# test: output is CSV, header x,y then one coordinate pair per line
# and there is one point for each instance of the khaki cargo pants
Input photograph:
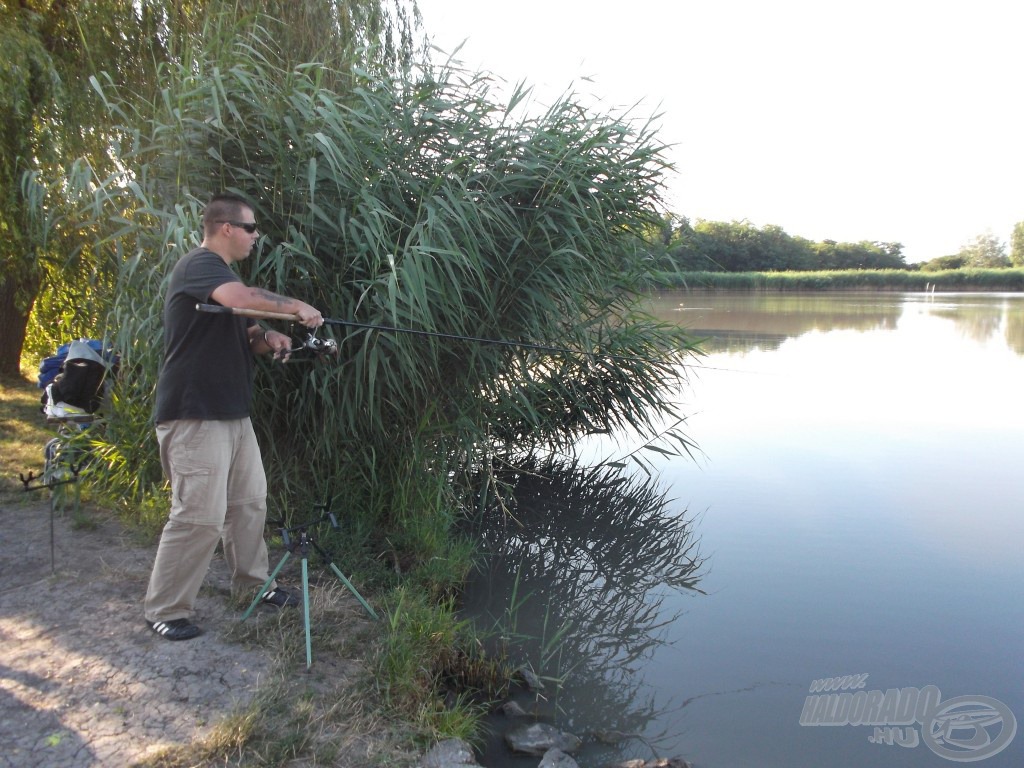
x,y
218,492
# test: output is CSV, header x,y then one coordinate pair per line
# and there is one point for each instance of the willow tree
x,y
23,81
418,200
53,118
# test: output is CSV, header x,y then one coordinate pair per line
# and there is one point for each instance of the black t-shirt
x,y
207,370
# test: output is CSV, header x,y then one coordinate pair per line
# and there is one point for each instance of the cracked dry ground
x,y
83,681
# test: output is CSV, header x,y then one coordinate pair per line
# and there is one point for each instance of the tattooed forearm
x,y
276,298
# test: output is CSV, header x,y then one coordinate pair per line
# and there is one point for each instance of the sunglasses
x,y
250,228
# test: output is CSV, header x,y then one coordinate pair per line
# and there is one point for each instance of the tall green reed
x,y
420,202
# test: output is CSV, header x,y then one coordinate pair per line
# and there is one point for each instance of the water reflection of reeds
x,y
577,570
736,323
713,341
745,322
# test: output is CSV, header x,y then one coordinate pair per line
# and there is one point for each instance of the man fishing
x,y
207,445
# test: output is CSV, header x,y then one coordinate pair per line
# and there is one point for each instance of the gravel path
x,y
83,681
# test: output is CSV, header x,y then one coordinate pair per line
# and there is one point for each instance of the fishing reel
x,y
307,345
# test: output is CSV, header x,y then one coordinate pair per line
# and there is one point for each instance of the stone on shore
x,y
556,758
538,738
451,753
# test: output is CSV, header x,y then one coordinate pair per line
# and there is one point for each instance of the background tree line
x,y
739,246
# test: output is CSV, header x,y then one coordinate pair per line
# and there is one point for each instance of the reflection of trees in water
x,y
738,341
1015,332
978,323
577,571
740,325
762,321
984,320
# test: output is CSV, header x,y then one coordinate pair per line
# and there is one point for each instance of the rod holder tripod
x,y
302,543
59,469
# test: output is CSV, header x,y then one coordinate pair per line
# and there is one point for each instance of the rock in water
x,y
512,709
530,678
538,738
556,758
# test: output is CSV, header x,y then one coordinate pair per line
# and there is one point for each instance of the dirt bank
x,y
83,682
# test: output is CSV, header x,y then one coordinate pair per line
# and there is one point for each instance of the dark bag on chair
x,y
79,383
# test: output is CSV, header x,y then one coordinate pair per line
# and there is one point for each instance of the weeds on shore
x,y
23,433
377,707
328,715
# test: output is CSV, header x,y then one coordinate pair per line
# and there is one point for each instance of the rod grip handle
x,y
217,309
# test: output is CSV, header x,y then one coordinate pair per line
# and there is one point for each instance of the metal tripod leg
x,y
305,610
303,544
305,595
346,582
266,585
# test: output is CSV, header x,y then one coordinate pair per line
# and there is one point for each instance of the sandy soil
x,y
83,681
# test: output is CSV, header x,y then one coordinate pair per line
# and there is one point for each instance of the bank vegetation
x,y
964,279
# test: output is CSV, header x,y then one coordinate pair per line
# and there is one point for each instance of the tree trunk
x,y
16,299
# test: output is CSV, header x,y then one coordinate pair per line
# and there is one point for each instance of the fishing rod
x,y
266,315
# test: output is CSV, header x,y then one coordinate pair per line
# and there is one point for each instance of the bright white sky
x,y
890,120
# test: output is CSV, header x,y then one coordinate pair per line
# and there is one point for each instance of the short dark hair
x,y
221,208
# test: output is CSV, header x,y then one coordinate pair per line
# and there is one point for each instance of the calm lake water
x,y
856,512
